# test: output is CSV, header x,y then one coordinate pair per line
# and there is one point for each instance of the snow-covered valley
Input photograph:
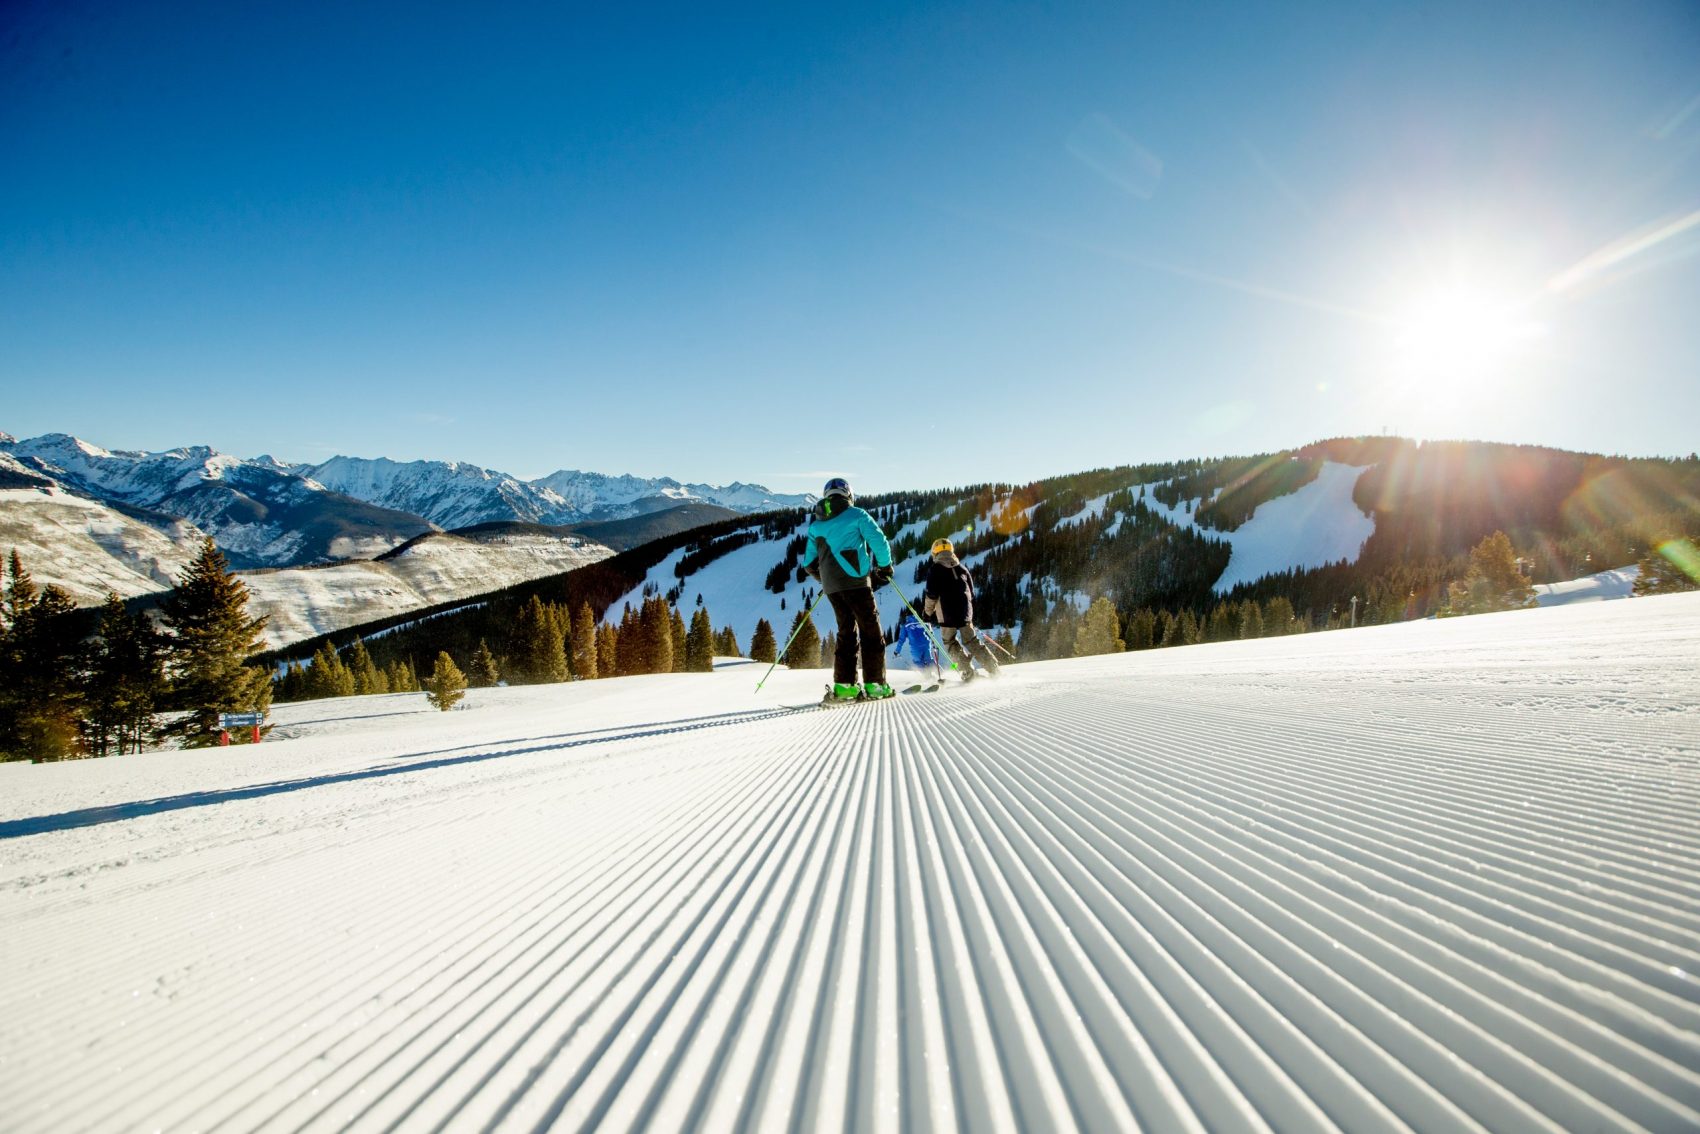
x,y
1431,876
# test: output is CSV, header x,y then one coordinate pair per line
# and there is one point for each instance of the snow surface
x,y
1313,527
1434,876
1615,584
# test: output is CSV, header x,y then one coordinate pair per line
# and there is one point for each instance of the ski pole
x,y
923,623
1000,649
791,639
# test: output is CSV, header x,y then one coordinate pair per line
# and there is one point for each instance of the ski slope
x,y
1439,876
1598,587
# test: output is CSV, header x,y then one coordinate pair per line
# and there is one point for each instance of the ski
x,y
831,702
933,688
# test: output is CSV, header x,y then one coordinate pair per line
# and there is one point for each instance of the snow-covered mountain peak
x,y
243,502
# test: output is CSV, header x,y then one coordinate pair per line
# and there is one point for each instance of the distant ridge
x,y
622,535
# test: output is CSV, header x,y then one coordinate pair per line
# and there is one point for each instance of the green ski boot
x,y
837,694
877,690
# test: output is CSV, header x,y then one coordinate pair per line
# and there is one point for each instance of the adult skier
x,y
849,557
949,601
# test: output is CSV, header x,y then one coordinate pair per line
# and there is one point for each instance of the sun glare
x,y
1462,334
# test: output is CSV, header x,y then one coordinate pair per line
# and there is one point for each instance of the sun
x,y
1461,334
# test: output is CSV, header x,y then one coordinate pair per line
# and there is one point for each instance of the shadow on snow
x,y
94,816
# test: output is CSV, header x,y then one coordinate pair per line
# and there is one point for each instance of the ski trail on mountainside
x,y
1433,877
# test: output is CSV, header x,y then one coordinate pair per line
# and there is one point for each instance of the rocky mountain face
x,y
435,568
265,512
261,513
453,494
330,545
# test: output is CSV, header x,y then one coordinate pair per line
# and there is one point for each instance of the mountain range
x,y
1361,530
326,546
264,512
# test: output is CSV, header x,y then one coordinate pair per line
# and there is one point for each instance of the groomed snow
x,y
1436,876
1313,527
1598,587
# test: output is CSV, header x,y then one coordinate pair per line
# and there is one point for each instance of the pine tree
x,y
211,639
329,677
1061,630
1142,630
681,639
1168,629
403,678
633,644
367,678
1251,619
21,591
1100,630
1220,627
292,684
550,663
483,673
537,653
583,643
699,643
726,644
763,647
607,651
41,658
526,642
1672,566
1186,629
1493,581
124,683
446,685
1279,617
656,629
804,652
829,650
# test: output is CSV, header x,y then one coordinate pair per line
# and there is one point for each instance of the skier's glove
x,y
880,576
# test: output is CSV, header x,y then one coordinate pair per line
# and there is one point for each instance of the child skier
x,y
850,557
949,601
915,644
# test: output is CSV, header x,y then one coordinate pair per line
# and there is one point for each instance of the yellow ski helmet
x,y
942,545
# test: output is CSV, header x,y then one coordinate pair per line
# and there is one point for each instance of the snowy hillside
x,y
1598,587
1434,876
1317,524
303,602
88,549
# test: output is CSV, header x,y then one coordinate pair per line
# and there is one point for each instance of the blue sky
x,y
918,245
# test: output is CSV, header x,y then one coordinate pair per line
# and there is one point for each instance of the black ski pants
x,y
858,630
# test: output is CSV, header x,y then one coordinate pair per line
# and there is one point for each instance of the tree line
x,y
546,644
1495,578
68,691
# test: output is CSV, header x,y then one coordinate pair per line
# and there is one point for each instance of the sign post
x,y
228,721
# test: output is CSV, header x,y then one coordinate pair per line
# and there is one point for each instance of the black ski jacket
x,y
950,590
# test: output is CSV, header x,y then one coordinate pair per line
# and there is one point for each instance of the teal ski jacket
x,y
843,548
